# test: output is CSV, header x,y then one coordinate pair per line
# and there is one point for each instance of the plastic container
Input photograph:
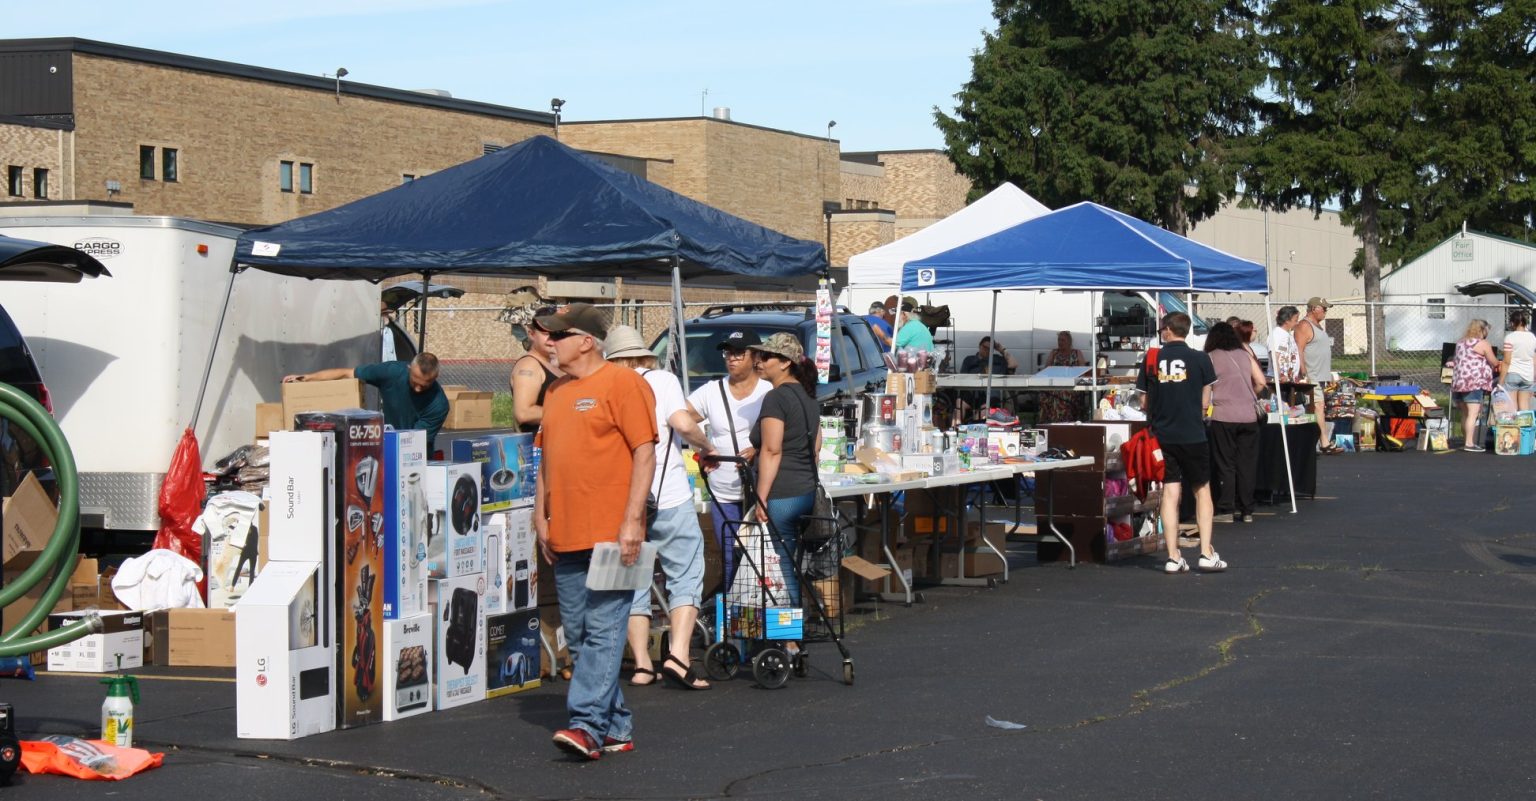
x,y
117,710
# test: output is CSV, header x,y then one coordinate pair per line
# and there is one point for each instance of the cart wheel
x,y
798,664
771,668
721,661
991,583
848,672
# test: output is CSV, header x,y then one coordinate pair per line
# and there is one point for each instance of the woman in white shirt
x,y
1518,371
1283,356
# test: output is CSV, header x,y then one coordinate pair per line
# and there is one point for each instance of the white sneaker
x,y
1176,566
1212,563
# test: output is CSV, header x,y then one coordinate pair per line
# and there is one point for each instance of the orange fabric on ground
x,y
591,427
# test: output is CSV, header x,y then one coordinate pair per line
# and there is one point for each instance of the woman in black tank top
x,y
532,376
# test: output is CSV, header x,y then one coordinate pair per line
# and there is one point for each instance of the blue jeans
x,y
594,622
785,514
725,535
680,549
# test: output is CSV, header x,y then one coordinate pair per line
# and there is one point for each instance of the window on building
x,y
40,183
147,162
1434,308
848,203
306,179
168,164
13,175
285,176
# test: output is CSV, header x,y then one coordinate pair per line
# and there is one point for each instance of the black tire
x,y
771,668
848,672
722,661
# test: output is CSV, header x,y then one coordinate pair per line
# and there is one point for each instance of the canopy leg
x,y
679,326
1285,444
218,332
421,312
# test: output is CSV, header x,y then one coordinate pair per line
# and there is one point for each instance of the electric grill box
x,y
512,652
285,666
458,615
405,524
494,527
407,666
455,545
358,552
522,560
506,468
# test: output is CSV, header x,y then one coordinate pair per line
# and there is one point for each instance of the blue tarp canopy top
x,y
537,207
1085,246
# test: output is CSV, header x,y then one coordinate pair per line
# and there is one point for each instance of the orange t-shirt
x,y
591,428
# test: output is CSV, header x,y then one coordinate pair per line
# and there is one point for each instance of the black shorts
x,y
1187,463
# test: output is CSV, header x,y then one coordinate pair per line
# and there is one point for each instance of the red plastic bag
x,y
181,501
85,759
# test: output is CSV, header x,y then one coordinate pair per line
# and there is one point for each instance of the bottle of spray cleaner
x,y
117,710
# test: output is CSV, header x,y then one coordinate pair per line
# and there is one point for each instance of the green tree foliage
x,y
1127,103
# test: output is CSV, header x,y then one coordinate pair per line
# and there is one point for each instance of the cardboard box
x,y
269,418
285,668
467,408
319,396
118,646
512,652
232,540
29,517
191,637
506,468
455,547
407,666
520,560
407,523
303,496
458,618
494,528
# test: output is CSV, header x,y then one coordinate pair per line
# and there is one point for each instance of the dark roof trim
x,y
36,122
699,119
233,70
879,153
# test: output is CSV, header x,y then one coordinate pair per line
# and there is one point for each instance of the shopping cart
x,y
756,622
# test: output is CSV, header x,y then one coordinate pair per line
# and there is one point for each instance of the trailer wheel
x,y
770,668
721,661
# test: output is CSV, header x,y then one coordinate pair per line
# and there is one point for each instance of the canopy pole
x,y
421,312
1095,307
679,327
1285,443
991,349
218,332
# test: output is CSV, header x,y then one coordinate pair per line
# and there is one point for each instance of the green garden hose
x,y
57,561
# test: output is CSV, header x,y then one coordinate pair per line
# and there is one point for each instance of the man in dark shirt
x,y
408,391
1002,361
1178,393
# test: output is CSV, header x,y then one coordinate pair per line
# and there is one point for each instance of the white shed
x,y
1423,307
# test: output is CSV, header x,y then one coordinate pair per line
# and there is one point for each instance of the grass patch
x,y
501,411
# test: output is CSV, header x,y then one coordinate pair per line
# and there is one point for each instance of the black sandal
x,y
686,680
640,671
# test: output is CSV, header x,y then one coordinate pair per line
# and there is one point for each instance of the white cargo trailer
x,y
123,357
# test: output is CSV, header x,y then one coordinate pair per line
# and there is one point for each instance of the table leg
x,y
906,595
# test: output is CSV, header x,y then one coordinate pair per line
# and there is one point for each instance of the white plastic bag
x,y
760,570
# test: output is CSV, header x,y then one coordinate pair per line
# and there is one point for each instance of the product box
x,y
302,490
232,542
358,555
285,668
1506,440
512,652
118,646
407,666
494,530
506,465
29,517
1004,445
269,418
454,545
406,524
930,463
522,560
319,396
192,637
467,408
458,618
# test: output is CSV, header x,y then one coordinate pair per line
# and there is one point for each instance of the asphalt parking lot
x,y
1378,644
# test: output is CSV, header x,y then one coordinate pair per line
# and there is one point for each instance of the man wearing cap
x,y
730,406
912,334
1316,349
409,394
880,325
598,439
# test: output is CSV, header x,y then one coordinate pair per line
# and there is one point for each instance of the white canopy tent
x,y
1003,207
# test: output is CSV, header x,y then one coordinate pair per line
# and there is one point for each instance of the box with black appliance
x,y
506,467
408,666
358,551
454,545
285,667
512,652
458,615
522,560
406,522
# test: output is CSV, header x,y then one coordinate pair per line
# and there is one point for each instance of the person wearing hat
x,y
674,526
1316,350
532,375
912,333
409,395
730,406
598,440
787,437
879,325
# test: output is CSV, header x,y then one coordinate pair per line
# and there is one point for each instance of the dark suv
x,y
857,364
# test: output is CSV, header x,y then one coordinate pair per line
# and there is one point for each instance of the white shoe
x,y
1212,563
1176,566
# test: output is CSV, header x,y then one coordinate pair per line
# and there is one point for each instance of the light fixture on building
x,y
341,72
113,187
555,104
830,125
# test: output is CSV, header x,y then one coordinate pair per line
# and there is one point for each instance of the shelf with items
x,y
1093,505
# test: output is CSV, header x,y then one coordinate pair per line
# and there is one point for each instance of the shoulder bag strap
x,y
730,419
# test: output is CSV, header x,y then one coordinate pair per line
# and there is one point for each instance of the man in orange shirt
x,y
598,439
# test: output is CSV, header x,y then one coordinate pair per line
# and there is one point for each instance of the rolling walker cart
x,y
759,631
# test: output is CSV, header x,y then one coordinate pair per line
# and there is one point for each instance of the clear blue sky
x,y
877,67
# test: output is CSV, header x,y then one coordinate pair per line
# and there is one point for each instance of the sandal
x,y
640,671
685,680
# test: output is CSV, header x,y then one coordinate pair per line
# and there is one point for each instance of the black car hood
x,y
26,260
1498,286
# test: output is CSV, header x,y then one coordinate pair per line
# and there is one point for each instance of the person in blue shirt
x,y
408,391
879,325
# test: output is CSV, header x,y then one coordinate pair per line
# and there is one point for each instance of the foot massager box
x,y
455,543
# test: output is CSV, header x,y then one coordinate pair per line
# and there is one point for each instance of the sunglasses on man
x,y
556,336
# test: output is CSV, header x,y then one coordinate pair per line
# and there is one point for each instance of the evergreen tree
x,y
1125,103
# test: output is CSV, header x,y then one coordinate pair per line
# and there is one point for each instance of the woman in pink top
x,y
1234,425
1472,379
